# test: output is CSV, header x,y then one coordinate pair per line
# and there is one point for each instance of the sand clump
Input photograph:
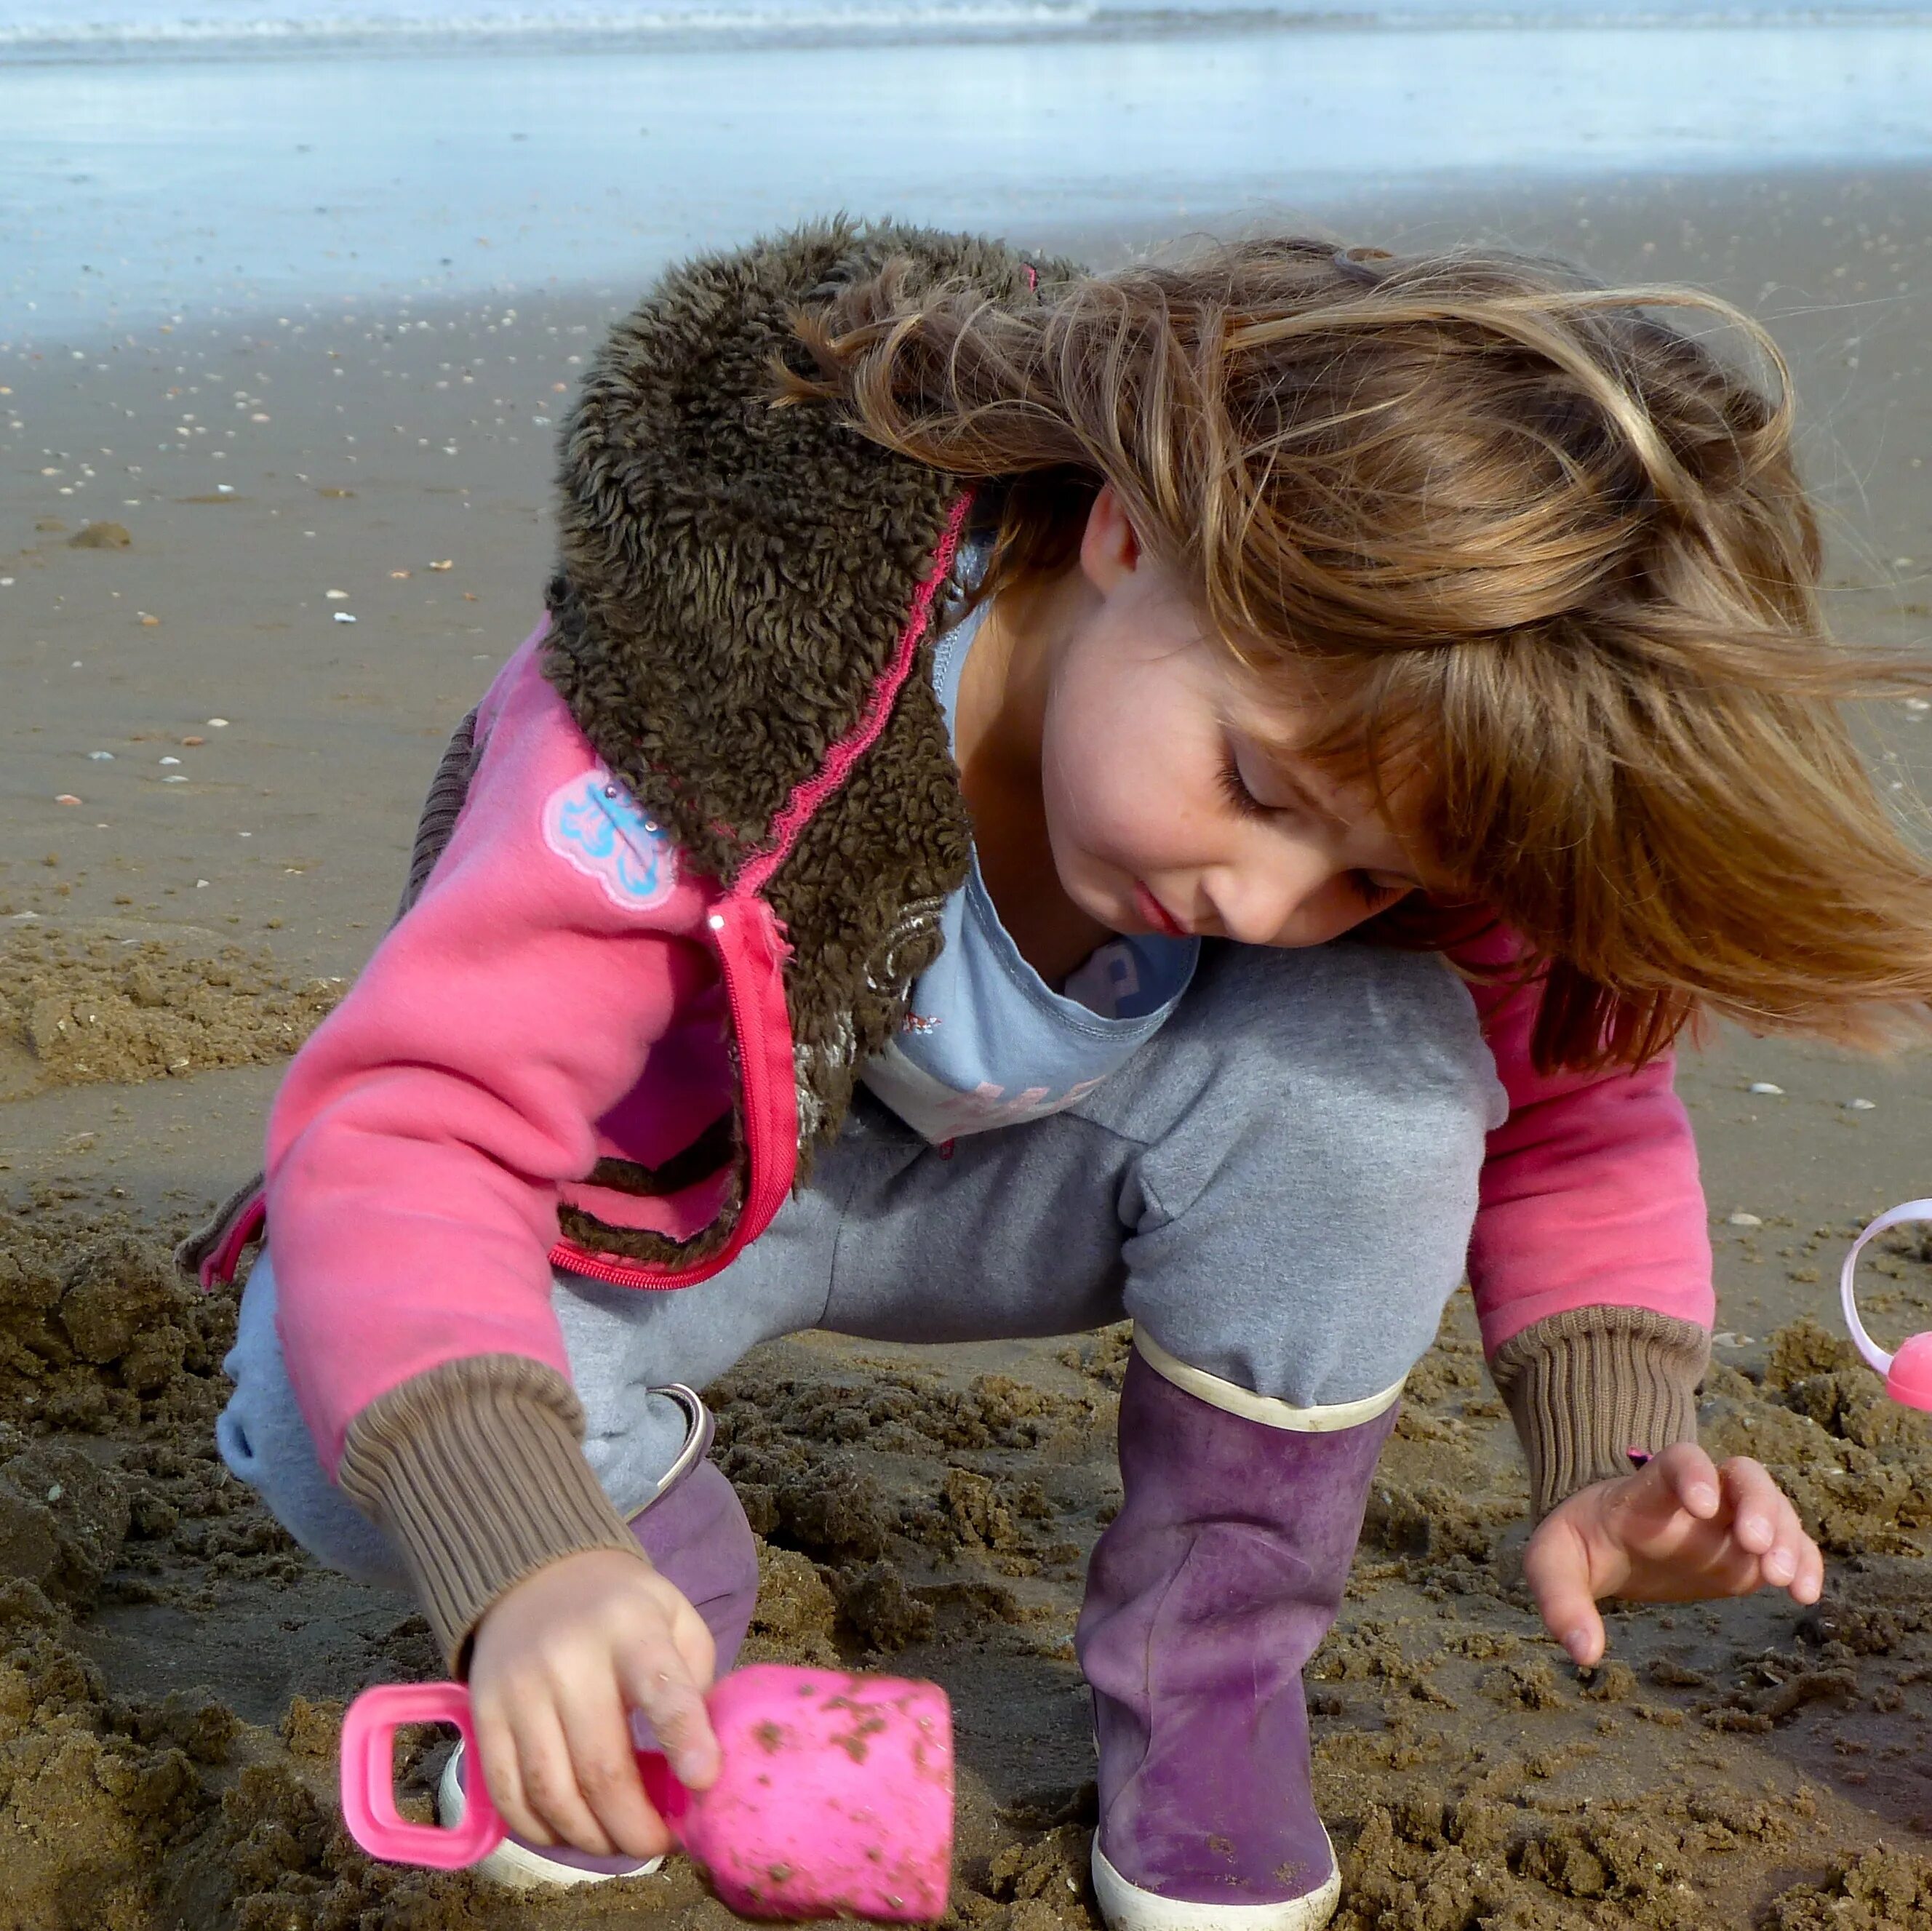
x,y
63,1517
78,1008
92,1794
1476,1863
128,1814
102,1356
937,1481
101,536
1875,1891
99,1333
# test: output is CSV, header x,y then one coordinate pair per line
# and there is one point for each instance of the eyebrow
x,y
1302,795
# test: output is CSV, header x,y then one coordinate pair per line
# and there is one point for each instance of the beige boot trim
x,y
1266,1409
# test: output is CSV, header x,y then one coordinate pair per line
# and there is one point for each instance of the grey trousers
x,y
1278,1190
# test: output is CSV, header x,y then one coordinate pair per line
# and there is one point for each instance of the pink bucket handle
x,y
1908,1373
368,1774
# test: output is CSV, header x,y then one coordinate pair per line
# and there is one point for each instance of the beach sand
x,y
175,916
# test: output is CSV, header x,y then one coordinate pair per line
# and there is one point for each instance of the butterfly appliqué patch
x,y
595,826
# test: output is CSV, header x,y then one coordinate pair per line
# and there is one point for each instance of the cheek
x,y
1317,924
1078,783
1112,803
1087,783
1331,909
1111,761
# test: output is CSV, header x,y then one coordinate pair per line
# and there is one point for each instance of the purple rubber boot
x,y
1205,1598
694,1529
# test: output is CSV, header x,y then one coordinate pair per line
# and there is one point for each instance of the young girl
x,y
1203,795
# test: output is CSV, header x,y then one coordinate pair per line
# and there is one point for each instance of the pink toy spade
x,y
835,1799
1908,1374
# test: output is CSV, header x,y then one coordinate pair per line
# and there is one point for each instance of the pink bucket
x,y
835,1799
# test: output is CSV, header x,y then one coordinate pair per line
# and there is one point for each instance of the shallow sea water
x,y
134,190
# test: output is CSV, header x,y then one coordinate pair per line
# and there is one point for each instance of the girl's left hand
x,y
1677,1530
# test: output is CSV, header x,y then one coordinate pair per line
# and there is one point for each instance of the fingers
x,y
559,1767
1765,1525
1690,1477
1755,1502
596,1733
666,1682
502,1776
556,1663
550,1792
1556,1567
691,1637
526,1769
1680,1530
1810,1583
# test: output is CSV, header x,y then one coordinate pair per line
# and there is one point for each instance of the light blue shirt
x,y
986,1042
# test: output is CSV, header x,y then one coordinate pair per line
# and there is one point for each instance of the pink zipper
x,y
218,1269
751,951
575,1260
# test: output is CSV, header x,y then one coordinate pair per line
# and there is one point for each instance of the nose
x,y
1302,906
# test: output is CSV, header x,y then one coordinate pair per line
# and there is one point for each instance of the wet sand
x,y
170,1666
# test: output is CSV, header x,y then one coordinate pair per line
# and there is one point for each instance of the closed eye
x,y
1234,788
1372,892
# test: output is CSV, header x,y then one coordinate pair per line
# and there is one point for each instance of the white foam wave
x,y
106,27
298,25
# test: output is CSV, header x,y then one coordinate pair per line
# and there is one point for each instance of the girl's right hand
x,y
559,1662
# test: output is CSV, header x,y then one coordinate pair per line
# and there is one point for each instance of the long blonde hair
x,y
1543,557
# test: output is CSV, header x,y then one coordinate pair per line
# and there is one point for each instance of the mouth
x,y
1157,914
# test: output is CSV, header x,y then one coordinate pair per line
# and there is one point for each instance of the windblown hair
x,y
1541,559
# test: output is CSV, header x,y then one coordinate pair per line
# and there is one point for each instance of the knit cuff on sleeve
x,y
1585,1386
474,1470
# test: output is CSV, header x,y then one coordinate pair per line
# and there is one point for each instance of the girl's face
x,y
1174,802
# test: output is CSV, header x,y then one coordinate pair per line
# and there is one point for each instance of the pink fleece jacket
x,y
549,1002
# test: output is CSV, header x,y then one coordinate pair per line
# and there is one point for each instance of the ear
x,y
1109,549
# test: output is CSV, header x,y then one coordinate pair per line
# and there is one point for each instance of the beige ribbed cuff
x,y
1585,1386
476,1471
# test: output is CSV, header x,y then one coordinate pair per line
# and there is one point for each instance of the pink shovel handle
x,y
368,1779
